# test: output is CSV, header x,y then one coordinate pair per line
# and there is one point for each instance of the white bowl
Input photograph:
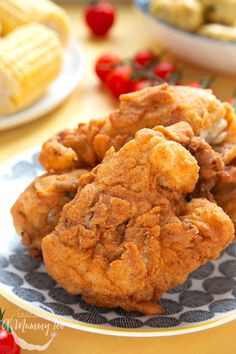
x,y
213,54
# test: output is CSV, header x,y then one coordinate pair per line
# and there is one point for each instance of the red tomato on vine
x,y
7,340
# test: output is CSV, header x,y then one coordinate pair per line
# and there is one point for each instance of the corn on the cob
x,y
30,59
15,13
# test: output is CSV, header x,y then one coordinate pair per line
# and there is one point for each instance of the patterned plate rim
x,y
114,332
93,328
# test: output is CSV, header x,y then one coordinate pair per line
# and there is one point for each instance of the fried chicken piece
x,y
37,210
164,104
225,191
129,235
160,105
33,222
210,119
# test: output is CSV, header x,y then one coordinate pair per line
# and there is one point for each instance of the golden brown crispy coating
x,y
160,105
225,191
210,119
211,167
163,104
31,210
129,235
228,151
37,210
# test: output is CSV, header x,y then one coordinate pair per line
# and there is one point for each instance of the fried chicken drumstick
x,y
129,234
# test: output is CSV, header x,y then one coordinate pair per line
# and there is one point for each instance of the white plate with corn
x,y
40,64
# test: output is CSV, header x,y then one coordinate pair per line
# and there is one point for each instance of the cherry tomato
x,y
144,57
105,64
7,343
164,69
119,80
140,84
100,17
195,84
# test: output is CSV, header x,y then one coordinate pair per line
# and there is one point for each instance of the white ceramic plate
x,y
209,53
57,92
207,299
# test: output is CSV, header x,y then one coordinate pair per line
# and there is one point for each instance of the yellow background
x,y
88,101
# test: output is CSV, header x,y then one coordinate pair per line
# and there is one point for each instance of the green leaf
x,y
206,83
91,2
2,323
128,61
6,327
142,74
2,312
153,62
175,77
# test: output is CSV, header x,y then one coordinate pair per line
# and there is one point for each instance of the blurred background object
x,y
15,13
184,14
128,36
84,2
171,23
40,62
191,15
220,11
31,58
